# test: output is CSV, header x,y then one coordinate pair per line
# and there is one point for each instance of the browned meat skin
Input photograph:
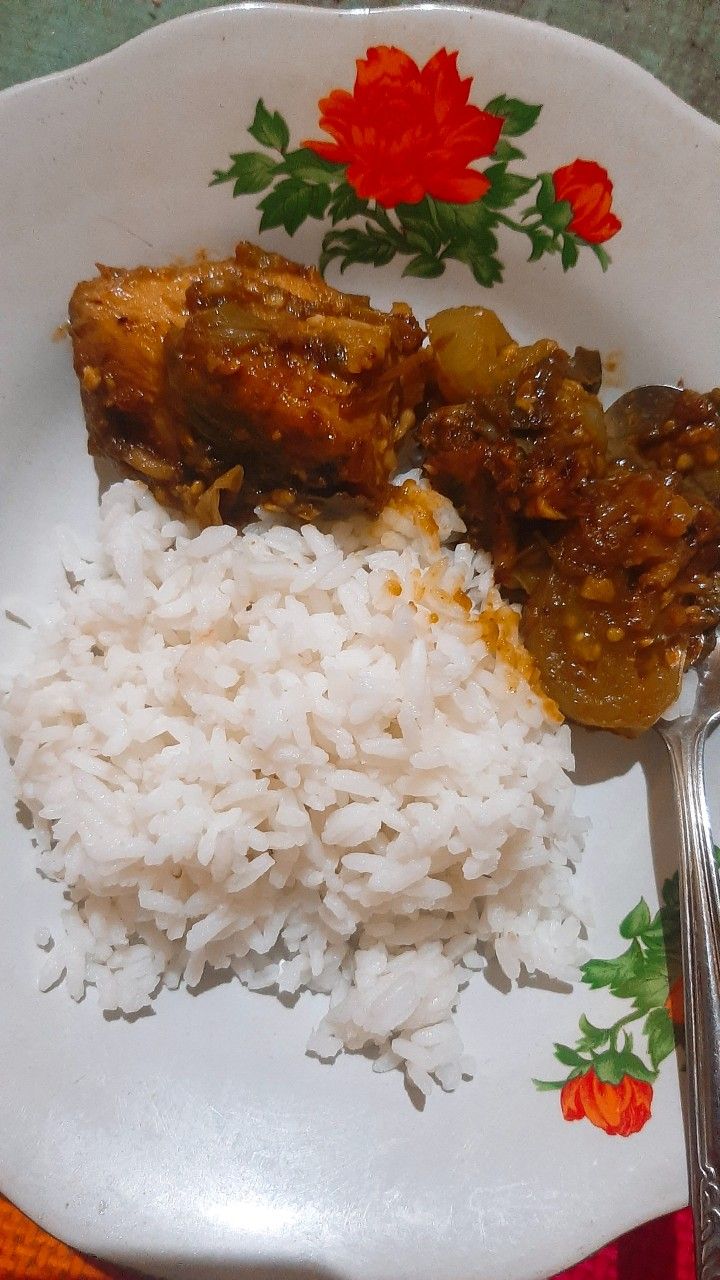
x,y
477,466
516,454
249,380
118,323
309,388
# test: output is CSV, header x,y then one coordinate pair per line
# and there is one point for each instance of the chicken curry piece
x,y
614,547
227,384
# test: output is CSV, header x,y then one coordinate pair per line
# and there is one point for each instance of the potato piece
x,y
474,354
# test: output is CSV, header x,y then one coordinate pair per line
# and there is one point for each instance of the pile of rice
x,y
298,753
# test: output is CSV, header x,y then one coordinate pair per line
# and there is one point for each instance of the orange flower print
x,y
618,1109
408,131
675,1003
610,1082
588,190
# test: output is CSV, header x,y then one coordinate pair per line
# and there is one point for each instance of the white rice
x,y
291,751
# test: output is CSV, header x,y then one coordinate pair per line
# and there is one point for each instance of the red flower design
x,y
588,190
617,1108
406,132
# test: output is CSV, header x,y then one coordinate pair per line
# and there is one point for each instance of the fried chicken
x,y
227,384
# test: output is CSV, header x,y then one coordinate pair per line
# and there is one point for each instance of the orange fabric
x,y
27,1253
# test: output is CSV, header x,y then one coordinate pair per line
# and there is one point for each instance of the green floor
x,y
678,40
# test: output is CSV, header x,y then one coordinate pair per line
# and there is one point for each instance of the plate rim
x,y
643,81
593,48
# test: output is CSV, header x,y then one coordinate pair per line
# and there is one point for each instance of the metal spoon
x,y
643,406
699,899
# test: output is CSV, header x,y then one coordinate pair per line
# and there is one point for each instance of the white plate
x,y
202,1140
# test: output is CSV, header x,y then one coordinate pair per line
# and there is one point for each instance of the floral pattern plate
x,y
430,154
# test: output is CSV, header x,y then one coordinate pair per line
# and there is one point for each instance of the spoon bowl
x,y
640,407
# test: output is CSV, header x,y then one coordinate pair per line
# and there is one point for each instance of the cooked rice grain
x,y
295,752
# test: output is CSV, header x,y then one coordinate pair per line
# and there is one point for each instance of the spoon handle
x,y
700,931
